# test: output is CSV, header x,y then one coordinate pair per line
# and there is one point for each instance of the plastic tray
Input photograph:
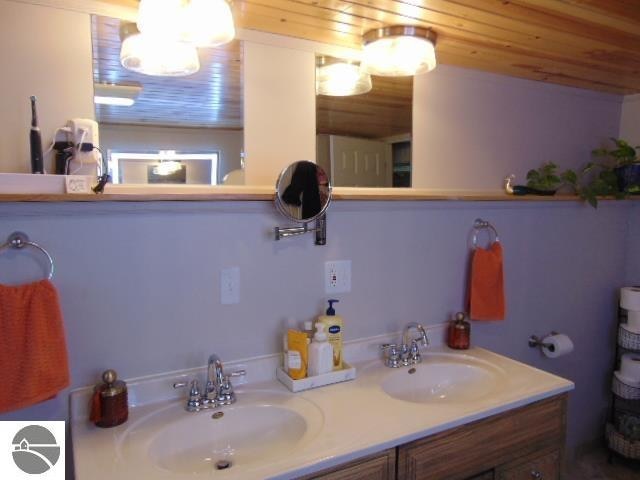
x,y
347,373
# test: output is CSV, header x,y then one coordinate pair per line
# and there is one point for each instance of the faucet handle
x,y
237,373
392,355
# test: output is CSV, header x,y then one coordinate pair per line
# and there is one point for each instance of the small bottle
x,y
320,353
459,333
333,325
109,405
308,330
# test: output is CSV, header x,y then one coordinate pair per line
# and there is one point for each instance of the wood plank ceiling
x,y
592,44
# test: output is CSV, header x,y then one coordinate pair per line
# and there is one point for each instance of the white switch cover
x,y
337,276
230,286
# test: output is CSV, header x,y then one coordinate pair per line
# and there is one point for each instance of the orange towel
x,y
33,353
486,292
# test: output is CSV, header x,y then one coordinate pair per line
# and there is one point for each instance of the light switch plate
x,y
337,276
230,286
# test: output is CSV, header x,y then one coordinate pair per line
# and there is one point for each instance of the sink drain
x,y
217,415
223,464
412,371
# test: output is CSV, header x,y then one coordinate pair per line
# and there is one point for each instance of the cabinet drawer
x,y
376,467
546,467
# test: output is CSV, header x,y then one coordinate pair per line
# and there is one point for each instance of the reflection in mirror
x,y
177,130
303,191
364,140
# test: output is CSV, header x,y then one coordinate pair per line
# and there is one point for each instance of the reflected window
x,y
164,167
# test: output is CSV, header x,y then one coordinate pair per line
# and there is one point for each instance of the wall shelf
x,y
266,194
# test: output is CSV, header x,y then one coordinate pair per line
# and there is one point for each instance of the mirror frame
x,y
279,202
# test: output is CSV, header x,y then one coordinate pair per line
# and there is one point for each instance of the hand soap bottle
x,y
333,327
320,353
459,333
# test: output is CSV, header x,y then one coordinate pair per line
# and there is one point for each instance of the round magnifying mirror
x,y
303,192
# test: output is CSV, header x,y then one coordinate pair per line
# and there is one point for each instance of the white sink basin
x,y
258,428
444,378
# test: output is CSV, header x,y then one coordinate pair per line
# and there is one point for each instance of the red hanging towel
x,y
486,292
33,353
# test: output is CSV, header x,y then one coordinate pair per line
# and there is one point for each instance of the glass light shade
x,y
160,17
207,23
167,167
342,79
115,101
399,56
159,57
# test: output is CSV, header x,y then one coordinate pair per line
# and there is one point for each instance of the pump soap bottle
x,y
459,333
333,326
320,353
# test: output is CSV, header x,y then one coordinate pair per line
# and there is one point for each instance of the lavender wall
x,y
471,128
139,282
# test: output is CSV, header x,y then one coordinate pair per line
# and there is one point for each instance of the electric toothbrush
x,y
35,139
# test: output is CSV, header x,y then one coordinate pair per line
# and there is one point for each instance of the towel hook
x,y
19,240
480,224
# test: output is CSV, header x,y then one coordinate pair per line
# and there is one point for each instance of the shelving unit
x,y
625,399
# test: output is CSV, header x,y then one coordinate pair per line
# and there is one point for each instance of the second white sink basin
x,y
444,378
265,428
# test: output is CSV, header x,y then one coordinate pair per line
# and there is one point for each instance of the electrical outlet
x,y
337,275
230,286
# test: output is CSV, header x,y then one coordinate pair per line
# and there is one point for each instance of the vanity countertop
x,y
346,421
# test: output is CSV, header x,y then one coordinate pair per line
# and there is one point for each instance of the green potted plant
x,y
618,175
546,180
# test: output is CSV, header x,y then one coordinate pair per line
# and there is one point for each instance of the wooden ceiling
x,y
211,97
592,44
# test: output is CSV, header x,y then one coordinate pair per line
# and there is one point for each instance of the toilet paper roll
x,y
558,345
633,321
630,366
630,298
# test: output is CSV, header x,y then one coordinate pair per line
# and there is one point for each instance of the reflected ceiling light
x,y
204,23
117,95
399,51
167,167
339,78
156,56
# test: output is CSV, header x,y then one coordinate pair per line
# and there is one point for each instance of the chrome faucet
x,y
408,352
218,389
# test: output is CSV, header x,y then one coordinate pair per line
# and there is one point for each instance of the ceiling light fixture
x,y
203,23
117,95
399,50
340,78
208,23
158,56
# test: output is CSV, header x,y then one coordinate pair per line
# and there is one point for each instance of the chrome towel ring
x,y
480,225
19,240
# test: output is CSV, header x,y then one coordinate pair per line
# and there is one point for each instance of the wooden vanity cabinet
x,y
526,443
503,443
381,466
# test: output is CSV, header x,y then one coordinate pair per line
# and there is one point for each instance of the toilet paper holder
x,y
535,341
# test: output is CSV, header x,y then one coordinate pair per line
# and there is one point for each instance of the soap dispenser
x,y
459,333
320,353
109,405
333,327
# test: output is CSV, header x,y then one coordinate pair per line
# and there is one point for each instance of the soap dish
x,y
347,373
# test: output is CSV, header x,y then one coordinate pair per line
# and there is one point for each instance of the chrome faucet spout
x,y
215,374
423,334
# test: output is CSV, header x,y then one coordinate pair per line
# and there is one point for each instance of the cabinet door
x,y
463,452
545,467
376,467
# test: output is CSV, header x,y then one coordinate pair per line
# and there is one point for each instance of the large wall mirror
x,y
179,130
363,140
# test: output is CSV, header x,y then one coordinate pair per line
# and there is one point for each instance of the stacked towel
x,y
33,352
486,292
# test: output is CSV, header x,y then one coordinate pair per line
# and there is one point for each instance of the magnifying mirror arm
x,y
284,232
320,229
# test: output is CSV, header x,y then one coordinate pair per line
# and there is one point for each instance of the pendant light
x,y
203,23
154,55
399,51
208,23
340,78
